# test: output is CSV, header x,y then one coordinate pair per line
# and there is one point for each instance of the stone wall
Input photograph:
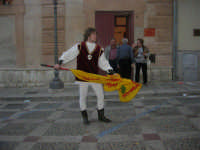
x,y
30,77
76,16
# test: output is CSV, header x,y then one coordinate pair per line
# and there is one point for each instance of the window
x,y
121,28
5,2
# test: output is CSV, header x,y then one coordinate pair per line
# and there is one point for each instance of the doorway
x,y
112,24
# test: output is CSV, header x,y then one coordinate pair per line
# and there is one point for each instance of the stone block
x,y
164,60
164,9
48,36
158,1
48,10
48,23
50,2
165,22
164,35
155,75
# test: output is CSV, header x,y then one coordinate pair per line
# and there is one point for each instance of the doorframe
x,y
130,24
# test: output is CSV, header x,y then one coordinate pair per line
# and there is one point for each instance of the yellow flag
x,y
127,89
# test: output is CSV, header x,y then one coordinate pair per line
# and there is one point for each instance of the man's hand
x,y
134,45
133,65
110,72
57,67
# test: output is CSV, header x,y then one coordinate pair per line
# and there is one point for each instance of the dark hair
x,y
88,32
113,39
141,41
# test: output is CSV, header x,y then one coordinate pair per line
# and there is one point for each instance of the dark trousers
x,y
144,71
125,68
113,64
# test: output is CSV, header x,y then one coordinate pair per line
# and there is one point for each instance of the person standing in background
x,y
141,53
111,54
126,59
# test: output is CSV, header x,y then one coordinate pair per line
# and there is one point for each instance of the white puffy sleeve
x,y
70,54
103,63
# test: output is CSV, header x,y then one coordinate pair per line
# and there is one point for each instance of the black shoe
x,y
101,116
85,117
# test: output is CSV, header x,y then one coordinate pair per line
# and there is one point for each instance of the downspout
x,y
174,68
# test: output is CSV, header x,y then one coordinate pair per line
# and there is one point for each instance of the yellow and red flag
x,y
126,88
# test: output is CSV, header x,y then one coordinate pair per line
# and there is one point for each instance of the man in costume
x,y
90,57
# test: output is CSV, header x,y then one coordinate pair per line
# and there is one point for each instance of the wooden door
x,y
104,22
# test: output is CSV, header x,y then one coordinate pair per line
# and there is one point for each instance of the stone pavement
x,y
163,116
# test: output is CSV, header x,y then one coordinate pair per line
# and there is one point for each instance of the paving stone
x,y
185,110
15,106
130,129
167,124
165,111
88,146
63,129
196,122
121,146
187,143
56,146
40,130
31,139
89,104
36,115
154,145
118,104
71,114
25,146
195,109
120,138
89,139
11,138
57,139
17,129
192,116
153,102
4,114
7,145
120,115
117,112
189,100
48,105
151,136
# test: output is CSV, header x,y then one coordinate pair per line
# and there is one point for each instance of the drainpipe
x,y
174,68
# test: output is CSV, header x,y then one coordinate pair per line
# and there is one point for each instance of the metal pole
x,y
55,32
174,69
56,83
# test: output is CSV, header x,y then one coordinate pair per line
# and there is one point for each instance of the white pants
x,y
98,89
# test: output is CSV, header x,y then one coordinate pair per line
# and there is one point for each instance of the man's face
x,y
112,42
93,37
138,43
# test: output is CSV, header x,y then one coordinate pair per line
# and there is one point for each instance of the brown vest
x,y
86,64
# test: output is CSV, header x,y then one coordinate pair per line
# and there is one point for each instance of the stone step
x,y
91,96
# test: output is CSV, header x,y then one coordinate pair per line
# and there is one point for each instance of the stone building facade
x,y
28,35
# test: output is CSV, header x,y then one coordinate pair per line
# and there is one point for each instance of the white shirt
x,y
73,52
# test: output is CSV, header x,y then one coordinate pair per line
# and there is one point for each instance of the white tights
x,y
98,89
